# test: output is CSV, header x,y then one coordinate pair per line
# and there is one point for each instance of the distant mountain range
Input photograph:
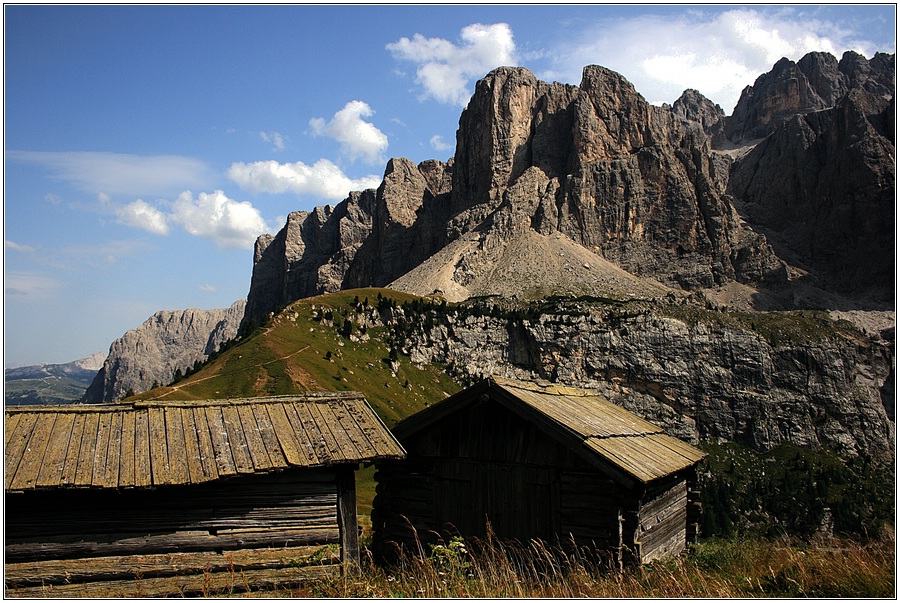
x,y
51,383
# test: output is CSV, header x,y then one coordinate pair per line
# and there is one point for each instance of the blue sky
x,y
147,147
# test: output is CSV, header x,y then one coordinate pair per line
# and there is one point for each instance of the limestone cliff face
x,y
370,238
636,185
165,342
309,255
699,374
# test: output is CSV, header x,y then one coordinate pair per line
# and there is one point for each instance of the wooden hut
x,y
557,464
198,497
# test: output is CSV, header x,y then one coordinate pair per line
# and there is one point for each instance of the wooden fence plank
x,y
191,447
11,420
17,444
33,456
328,443
111,478
159,454
67,477
126,450
218,436
255,444
236,439
205,450
267,433
101,449
296,418
85,470
178,467
347,521
291,446
352,440
143,464
55,457
375,431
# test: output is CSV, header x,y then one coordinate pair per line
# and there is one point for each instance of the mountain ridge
x,y
647,188
166,344
48,383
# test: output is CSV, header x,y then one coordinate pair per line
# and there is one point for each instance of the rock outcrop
x,y
636,185
167,342
757,379
816,82
822,188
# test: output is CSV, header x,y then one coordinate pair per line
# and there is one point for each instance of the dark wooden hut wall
x,y
662,520
589,508
490,465
497,456
290,508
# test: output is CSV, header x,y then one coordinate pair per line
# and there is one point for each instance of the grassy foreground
x,y
715,568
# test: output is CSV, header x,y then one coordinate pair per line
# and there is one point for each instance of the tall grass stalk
x,y
716,568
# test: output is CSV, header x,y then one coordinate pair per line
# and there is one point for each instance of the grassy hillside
x,y
310,346
50,389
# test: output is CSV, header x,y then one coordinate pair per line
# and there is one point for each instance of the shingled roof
x,y
612,438
158,443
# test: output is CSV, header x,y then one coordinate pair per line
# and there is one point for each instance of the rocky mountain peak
x,y
814,83
693,106
166,342
642,188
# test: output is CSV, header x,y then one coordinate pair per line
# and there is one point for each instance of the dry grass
x,y
713,569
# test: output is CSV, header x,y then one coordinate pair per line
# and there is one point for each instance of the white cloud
x,y
445,69
322,179
214,216
228,223
207,288
13,246
140,214
120,174
359,139
717,53
438,144
278,141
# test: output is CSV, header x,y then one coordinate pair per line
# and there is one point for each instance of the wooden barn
x,y
198,497
560,465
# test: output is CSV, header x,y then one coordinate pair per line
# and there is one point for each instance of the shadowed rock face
x,y
699,380
821,187
816,82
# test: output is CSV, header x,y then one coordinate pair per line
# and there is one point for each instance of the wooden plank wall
x,y
93,529
403,509
488,464
517,500
662,521
171,574
590,505
291,507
